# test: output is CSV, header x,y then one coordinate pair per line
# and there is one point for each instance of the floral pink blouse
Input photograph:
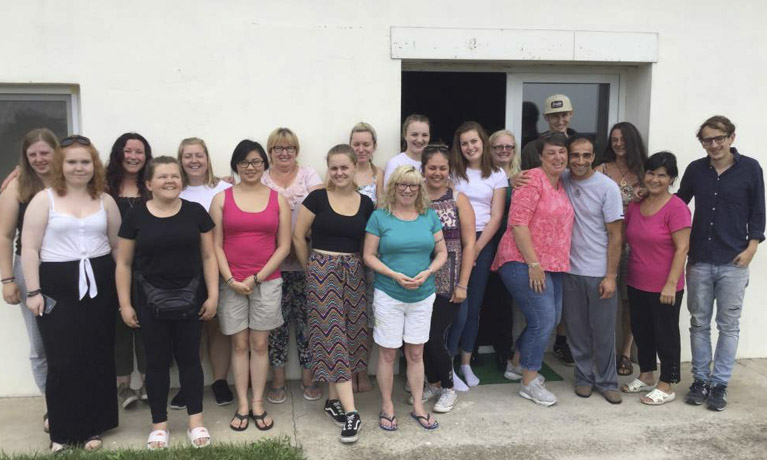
x,y
547,212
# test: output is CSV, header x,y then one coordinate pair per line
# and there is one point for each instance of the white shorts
x,y
401,321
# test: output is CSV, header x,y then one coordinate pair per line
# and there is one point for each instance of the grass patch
x,y
266,449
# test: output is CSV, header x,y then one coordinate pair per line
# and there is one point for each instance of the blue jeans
x,y
727,285
542,311
465,328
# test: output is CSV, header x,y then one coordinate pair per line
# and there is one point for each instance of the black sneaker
x,y
178,402
335,411
222,393
698,393
350,432
563,354
717,399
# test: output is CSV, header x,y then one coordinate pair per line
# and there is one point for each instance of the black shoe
x,y
178,402
563,354
698,394
351,430
222,393
335,411
717,399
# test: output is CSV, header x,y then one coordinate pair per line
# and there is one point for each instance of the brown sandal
x,y
625,367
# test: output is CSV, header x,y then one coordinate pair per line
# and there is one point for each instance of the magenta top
x,y
652,247
547,213
250,238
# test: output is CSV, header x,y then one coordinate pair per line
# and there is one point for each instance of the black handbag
x,y
170,304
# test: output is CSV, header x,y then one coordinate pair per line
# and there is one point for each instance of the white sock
x,y
458,384
471,379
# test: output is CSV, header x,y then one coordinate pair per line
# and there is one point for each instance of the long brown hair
x,y
459,163
95,185
29,182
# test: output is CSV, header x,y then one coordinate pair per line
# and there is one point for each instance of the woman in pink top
x,y
532,254
658,232
252,239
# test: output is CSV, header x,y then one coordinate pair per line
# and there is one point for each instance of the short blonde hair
x,y
514,167
282,134
406,174
210,180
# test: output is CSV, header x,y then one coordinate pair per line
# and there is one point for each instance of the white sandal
x,y
160,436
636,386
657,397
195,434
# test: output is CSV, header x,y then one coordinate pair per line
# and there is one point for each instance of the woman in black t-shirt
x,y
167,243
335,284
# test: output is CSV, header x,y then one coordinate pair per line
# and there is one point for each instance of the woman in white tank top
x,y
70,234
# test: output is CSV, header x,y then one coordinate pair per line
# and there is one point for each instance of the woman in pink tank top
x,y
252,238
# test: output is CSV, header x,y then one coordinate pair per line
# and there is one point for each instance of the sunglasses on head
x,y
436,148
76,138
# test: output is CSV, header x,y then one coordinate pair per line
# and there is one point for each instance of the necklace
x,y
623,175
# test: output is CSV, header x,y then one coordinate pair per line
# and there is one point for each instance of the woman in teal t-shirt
x,y
405,247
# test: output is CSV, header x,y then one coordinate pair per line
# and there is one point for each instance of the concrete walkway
x,y
489,422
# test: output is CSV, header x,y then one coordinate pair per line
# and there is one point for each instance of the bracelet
x,y
230,281
461,286
34,293
8,280
534,264
255,279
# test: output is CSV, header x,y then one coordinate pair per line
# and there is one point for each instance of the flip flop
x,y
241,418
625,367
93,443
392,422
257,418
277,395
424,419
312,387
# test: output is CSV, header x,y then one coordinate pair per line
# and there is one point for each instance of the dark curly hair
x,y
115,171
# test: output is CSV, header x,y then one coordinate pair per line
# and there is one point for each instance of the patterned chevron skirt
x,y
338,324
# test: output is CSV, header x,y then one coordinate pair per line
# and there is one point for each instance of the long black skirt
x,y
78,336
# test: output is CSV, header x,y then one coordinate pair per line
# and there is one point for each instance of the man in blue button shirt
x,y
727,226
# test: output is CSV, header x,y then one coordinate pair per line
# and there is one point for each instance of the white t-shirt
x,y
480,191
597,201
203,194
399,160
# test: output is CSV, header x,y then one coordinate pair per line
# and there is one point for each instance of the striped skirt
x,y
337,303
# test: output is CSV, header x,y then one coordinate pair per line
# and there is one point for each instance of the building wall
x,y
225,71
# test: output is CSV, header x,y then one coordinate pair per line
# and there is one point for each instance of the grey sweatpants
x,y
590,325
36,350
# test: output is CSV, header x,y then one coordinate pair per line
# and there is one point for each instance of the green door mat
x,y
489,374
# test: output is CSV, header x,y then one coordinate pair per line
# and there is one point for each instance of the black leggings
x,y
437,361
164,340
655,326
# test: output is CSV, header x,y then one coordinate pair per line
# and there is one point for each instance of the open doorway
x,y
450,98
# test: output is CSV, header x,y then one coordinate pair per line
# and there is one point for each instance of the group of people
x,y
401,257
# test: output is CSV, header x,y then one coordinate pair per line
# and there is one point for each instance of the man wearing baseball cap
x,y
557,111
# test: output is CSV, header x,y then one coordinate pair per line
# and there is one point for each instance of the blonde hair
x,y
363,127
514,167
29,182
340,149
210,180
96,185
282,134
406,174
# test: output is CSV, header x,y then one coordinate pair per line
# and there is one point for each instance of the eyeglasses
x,y
281,149
257,163
75,138
501,148
710,140
431,148
402,186
585,156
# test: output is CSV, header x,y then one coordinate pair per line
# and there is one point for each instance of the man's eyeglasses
x,y
281,149
75,138
710,140
257,163
501,148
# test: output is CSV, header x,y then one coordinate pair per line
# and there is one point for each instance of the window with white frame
x,y
26,107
